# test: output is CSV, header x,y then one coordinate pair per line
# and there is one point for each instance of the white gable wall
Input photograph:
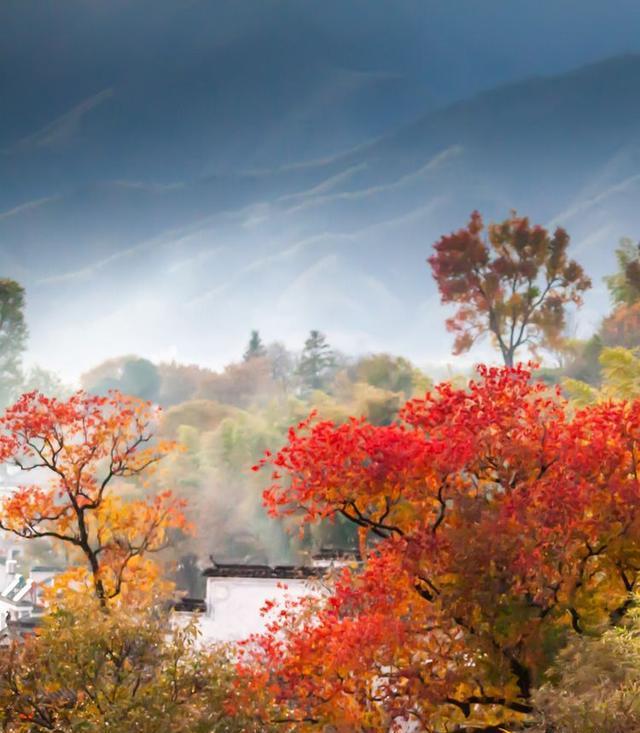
x,y
233,604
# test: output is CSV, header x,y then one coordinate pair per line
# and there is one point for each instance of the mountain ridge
x,y
340,244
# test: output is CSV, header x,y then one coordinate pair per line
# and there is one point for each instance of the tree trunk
x,y
509,356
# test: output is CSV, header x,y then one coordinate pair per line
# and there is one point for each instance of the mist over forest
x,y
349,278
228,168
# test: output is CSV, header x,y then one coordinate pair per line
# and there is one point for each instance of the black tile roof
x,y
328,553
190,605
237,570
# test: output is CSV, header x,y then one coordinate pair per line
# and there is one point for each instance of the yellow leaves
x,y
71,588
620,379
88,445
128,671
143,586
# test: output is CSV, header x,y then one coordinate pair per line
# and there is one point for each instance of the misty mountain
x,y
194,88
185,268
168,91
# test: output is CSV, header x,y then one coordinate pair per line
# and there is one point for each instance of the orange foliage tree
x,y
514,283
622,327
496,523
79,448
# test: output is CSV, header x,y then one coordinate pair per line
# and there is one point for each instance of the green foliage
x,y
594,685
255,349
203,415
381,406
131,375
88,671
316,361
621,373
13,339
221,444
140,378
624,285
620,369
582,359
392,373
580,393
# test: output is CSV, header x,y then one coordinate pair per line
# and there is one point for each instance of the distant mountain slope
x,y
552,146
170,90
339,244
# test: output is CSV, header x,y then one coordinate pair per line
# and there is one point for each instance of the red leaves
x,y
76,450
514,284
501,520
456,262
355,468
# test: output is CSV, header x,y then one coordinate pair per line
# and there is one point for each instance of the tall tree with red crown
x,y
496,524
513,280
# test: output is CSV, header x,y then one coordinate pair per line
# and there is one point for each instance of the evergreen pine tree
x,y
316,361
256,348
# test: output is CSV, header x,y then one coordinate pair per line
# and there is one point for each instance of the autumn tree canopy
x,y
497,523
624,285
72,453
125,672
513,280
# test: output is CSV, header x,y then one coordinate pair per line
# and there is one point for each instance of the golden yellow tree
x,y
76,450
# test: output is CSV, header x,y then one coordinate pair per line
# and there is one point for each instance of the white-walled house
x,y
236,593
21,598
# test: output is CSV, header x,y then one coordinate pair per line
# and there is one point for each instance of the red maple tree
x,y
81,447
514,282
496,522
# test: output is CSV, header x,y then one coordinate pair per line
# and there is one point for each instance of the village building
x,y
230,611
236,593
21,605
